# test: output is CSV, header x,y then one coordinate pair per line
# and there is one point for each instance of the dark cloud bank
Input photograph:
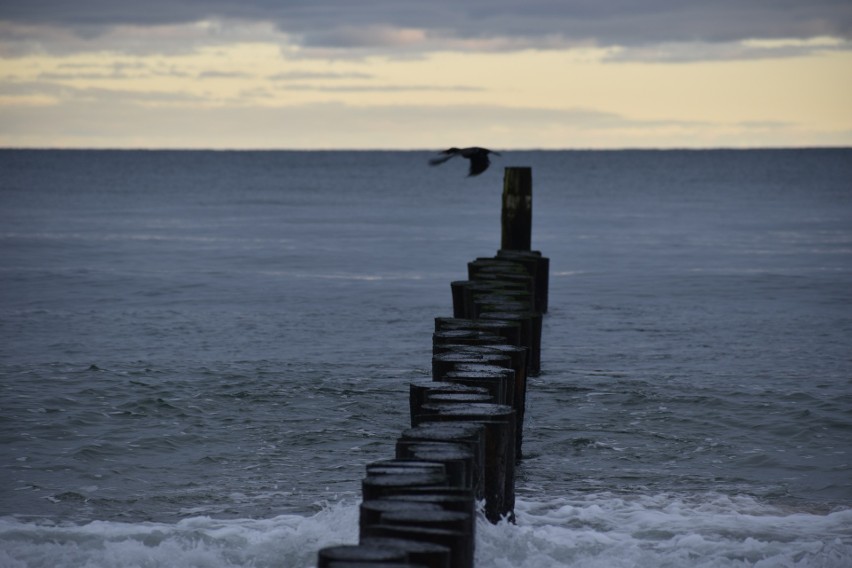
x,y
530,23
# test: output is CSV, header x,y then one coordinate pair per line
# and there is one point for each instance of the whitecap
x,y
287,541
659,531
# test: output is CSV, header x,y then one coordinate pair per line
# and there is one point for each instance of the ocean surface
x,y
200,351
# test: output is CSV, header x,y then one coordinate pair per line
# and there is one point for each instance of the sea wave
x,y
711,530
591,530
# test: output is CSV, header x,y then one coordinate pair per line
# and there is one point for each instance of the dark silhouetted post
x,y
517,209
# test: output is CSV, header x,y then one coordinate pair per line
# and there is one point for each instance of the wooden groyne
x,y
419,506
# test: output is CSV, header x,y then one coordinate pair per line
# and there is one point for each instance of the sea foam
x,y
197,542
590,531
707,531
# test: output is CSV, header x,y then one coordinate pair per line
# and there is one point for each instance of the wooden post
x,y
419,553
370,512
457,528
499,423
330,556
470,435
461,552
517,209
459,460
419,392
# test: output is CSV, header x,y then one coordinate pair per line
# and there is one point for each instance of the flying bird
x,y
478,158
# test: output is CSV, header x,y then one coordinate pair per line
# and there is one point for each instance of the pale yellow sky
x,y
254,90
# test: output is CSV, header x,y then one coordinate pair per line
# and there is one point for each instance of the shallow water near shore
x,y
200,351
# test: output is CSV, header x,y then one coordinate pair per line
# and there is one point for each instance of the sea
x,y
200,351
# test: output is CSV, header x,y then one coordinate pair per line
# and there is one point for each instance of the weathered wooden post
x,y
470,435
455,527
499,423
517,209
330,556
370,512
379,486
458,459
419,391
420,553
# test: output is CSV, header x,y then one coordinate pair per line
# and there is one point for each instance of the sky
x,y
418,74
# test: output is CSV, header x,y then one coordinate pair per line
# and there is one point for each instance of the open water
x,y
200,351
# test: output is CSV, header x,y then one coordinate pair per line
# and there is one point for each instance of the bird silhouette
x,y
478,158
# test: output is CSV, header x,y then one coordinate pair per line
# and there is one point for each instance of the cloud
x,y
367,36
313,75
61,39
62,96
76,76
384,88
112,118
766,124
689,52
414,25
102,120
213,74
288,74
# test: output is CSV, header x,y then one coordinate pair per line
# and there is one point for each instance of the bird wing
x,y
440,160
478,164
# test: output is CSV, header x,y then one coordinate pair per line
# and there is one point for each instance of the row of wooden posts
x,y
419,508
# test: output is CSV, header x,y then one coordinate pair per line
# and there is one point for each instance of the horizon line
x,y
417,149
